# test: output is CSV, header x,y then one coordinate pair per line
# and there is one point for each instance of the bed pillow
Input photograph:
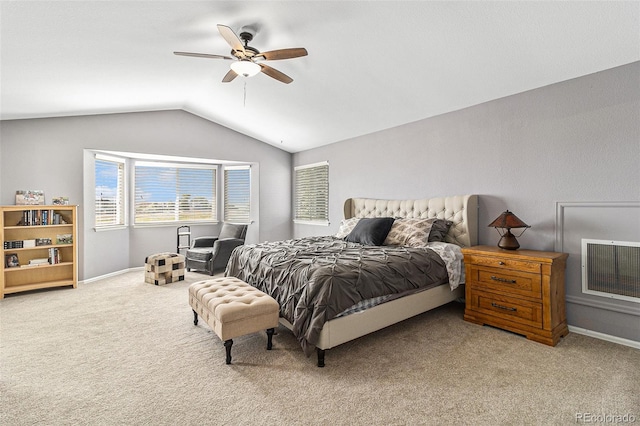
x,y
371,231
347,226
439,230
409,232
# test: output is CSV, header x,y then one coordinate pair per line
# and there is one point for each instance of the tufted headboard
x,y
462,210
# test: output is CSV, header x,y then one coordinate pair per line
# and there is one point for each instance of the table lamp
x,y
504,224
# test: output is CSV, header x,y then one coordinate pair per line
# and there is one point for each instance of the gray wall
x,y
578,140
50,154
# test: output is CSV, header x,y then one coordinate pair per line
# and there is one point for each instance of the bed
x,y
333,289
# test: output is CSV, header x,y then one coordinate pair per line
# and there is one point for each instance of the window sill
x,y
312,222
110,228
172,224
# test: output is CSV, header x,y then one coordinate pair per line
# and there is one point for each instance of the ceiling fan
x,y
245,58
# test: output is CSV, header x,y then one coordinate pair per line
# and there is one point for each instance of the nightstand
x,y
521,291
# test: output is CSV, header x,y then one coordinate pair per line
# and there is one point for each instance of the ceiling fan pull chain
x,y
245,93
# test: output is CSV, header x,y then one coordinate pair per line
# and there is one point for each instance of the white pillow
x,y
346,226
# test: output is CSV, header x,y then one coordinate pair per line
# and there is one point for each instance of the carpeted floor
x,y
122,352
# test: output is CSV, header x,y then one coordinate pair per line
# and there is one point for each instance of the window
x,y
237,194
312,194
173,193
109,185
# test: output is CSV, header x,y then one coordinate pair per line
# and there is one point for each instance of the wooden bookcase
x,y
20,226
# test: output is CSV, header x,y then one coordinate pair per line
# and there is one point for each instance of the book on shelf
x,y
54,256
41,217
8,245
53,259
15,244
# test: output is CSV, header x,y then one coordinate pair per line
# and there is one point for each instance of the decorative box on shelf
x,y
521,291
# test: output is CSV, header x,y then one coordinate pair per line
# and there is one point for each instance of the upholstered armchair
x,y
213,253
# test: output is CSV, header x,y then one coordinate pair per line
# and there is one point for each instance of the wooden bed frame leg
x,y
320,357
195,317
270,338
227,345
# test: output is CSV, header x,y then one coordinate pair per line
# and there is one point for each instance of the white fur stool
x,y
233,308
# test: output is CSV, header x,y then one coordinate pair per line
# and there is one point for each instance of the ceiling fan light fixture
x,y
243,55
245,68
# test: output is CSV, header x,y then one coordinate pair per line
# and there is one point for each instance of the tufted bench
x,y
233,308
163,268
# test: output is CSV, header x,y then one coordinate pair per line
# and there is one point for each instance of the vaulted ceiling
x,y
372,65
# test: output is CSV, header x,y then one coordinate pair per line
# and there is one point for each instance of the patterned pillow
x,y
346,226
409,232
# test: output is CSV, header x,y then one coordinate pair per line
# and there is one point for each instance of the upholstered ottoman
x,y
233,308
163,268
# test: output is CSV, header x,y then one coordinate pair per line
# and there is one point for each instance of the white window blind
x,y
312,193
237,194
173,193
109,186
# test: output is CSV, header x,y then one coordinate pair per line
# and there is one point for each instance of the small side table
x,y
521,291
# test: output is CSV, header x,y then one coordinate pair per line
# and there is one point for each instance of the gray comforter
x,y
315,278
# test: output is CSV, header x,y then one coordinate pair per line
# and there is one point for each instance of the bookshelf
x,y
39,247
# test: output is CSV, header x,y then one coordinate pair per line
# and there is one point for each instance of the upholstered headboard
x,y
462,210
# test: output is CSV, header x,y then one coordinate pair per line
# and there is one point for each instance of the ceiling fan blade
x,y
203,55
229,76
294,52
231,38
274,73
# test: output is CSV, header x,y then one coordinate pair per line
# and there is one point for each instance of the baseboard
x,y
607,337
112,274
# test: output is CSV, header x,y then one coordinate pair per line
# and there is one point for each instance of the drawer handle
x,y
501,263
506,308
502,280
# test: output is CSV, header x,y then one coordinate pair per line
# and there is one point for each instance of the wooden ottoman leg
x,y
195,317
227,345
270,332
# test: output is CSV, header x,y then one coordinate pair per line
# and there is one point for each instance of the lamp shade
x,y
245,68
503,224
508,220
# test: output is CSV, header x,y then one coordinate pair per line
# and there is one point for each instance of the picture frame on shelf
x,y
64,239
43,241
30,197
11,260
60,201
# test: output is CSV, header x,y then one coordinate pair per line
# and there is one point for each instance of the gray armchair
x,y
212,253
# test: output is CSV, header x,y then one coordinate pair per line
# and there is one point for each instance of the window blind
x,y
312,193
166,192
237,194
109,187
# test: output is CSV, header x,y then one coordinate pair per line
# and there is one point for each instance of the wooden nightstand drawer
x,y
510,309
507,282
503,263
